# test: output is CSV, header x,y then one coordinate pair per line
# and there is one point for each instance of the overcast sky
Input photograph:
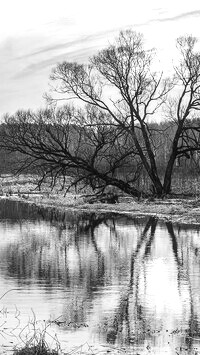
x,y
37,34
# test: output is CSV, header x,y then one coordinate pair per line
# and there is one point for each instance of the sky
x,y
35,35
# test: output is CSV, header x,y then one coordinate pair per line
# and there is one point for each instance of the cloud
x,y
79,49
82,40
74,55
181,16
56,47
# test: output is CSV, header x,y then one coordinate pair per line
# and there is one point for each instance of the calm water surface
x,y
108,282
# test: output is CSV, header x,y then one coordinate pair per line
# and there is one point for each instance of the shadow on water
x,y
133,281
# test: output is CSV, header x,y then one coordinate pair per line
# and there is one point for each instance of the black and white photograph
x,y
99,177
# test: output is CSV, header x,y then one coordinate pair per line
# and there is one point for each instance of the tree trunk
x,y
150,168
157,186
125,187
168,174
170,164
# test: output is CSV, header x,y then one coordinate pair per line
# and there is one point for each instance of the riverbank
x,y
23,188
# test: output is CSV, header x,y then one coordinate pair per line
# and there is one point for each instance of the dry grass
x,y
35,340
39,349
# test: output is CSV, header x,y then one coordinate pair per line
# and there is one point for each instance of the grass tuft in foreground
x,y
39,349
34,340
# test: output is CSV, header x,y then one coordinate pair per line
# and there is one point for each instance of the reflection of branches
x,y
174,243
175,251
150,241
121,314
185,276
89,226
13,289
91,238
121,320
91,222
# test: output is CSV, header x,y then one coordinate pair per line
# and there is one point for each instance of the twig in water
x,y
13,289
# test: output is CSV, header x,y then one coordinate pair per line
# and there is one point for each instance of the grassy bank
x,y
23,188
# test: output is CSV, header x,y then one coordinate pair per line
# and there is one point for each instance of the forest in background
x,y
185,178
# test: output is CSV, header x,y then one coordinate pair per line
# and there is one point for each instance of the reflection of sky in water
x,y
115,281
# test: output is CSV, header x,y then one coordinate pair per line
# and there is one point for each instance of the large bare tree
x,y
73,146
122,95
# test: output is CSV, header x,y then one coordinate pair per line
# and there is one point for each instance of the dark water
x,y
110,282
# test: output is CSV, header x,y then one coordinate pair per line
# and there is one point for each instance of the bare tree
x,y
121,94
184,109
63,144
124,68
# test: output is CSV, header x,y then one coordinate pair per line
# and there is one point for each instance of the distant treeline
x,y
188,164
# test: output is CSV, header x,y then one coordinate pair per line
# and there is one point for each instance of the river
x,y
98,283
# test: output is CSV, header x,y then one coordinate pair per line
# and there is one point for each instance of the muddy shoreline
x,y
176,210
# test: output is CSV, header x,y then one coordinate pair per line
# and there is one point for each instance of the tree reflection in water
x,y
133,281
